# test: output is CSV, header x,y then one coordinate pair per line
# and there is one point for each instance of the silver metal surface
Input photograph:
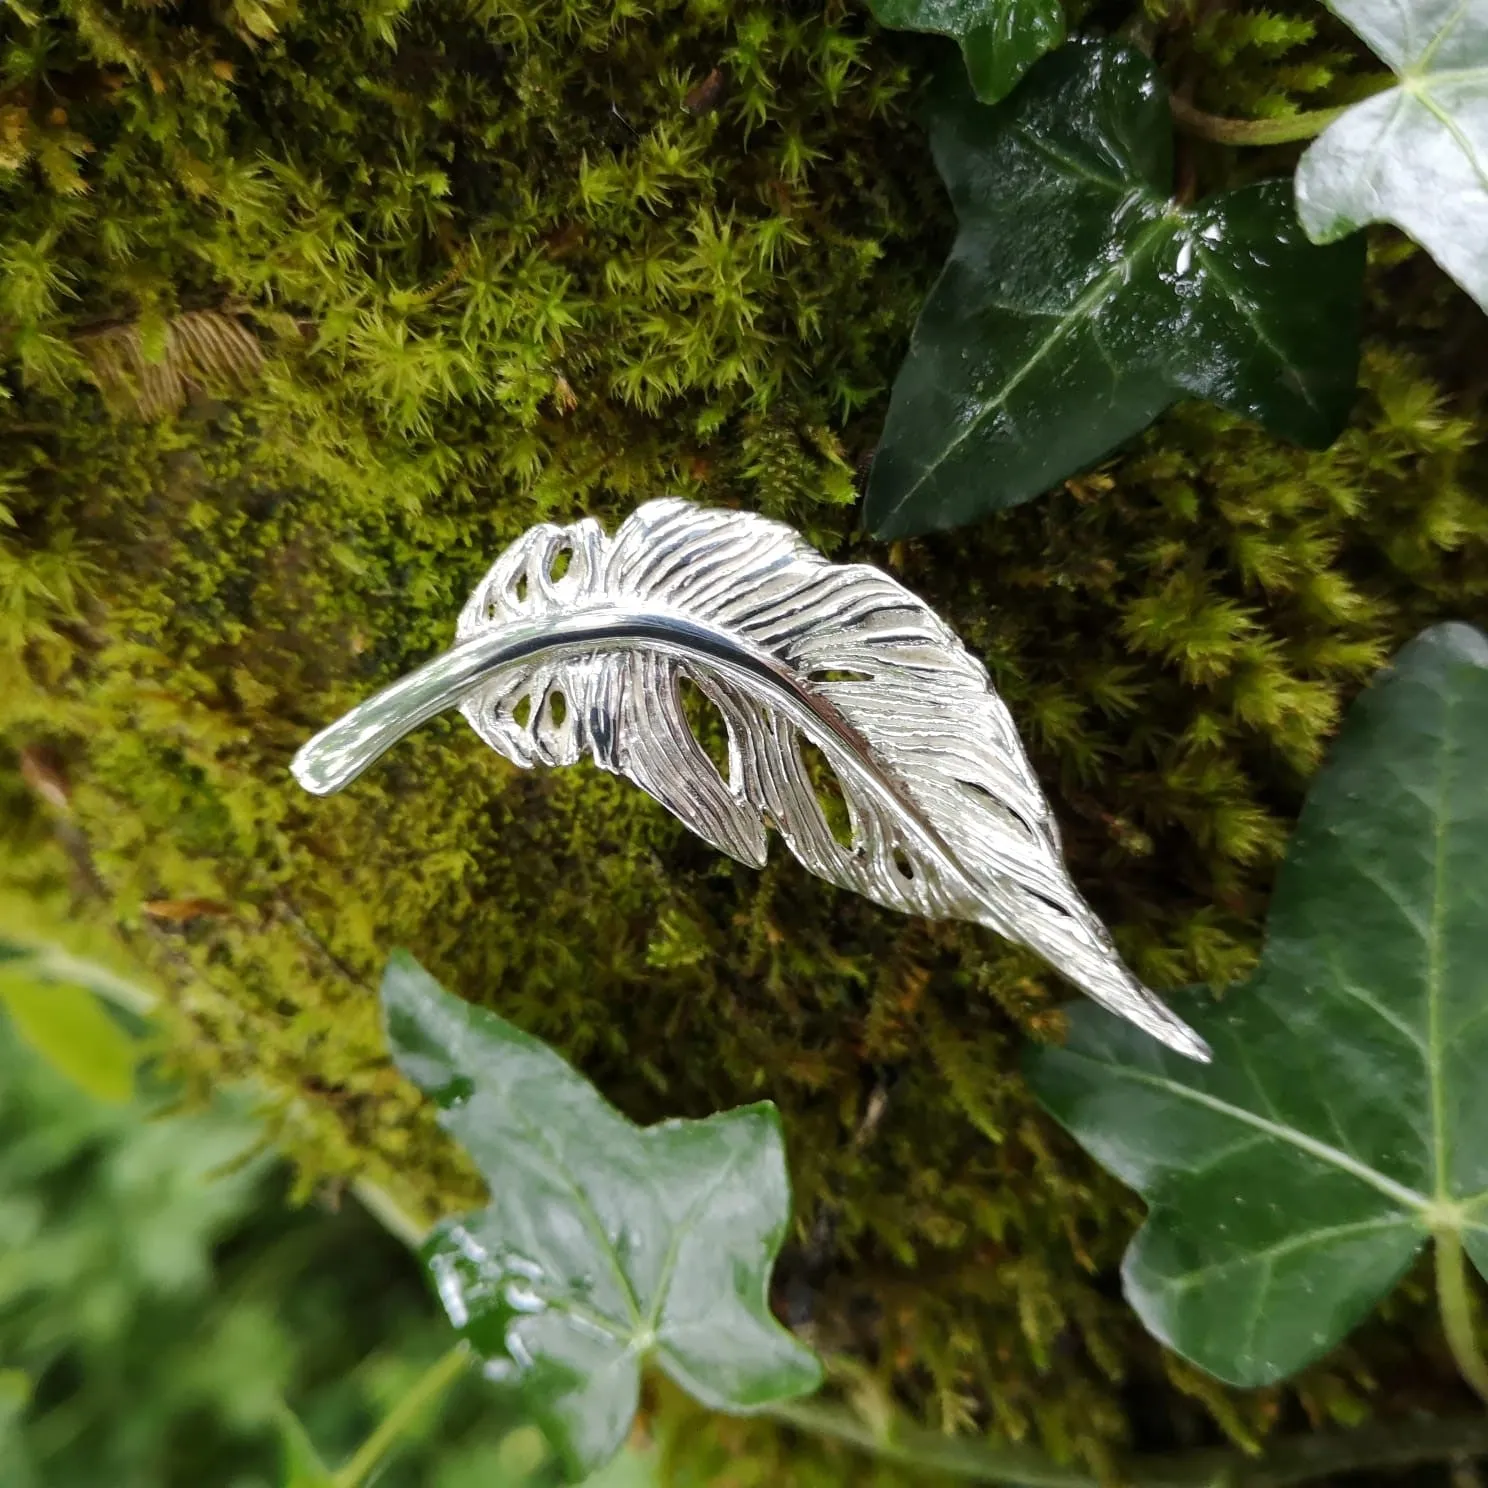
x,y
576,643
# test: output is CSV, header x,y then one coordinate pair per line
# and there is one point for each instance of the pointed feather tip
x,y
1179,1037
1143,1009
1194,1048
1135,1006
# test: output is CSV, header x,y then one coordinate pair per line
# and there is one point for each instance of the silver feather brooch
x,y
576,643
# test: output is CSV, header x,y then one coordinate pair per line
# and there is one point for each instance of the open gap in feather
x,y
1052,905
828,792
559,562
522,711
1010,817
829,675
706,724
556,708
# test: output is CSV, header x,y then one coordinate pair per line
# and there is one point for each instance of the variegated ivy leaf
x,y
1416,155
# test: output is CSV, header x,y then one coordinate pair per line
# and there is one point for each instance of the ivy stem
x,y
909,1446
428,1388
1284,131
1454,1298
1288,1463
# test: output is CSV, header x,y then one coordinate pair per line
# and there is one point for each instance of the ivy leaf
x,y
1080,299
605,1244
1345,1117
65,1024
1416,155
1000,39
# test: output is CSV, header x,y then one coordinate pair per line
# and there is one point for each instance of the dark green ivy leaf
x,y
1000,39
605,1244
1344,1120
1416,155
1080,299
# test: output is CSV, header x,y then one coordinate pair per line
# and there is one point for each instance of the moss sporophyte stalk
x,y
422,278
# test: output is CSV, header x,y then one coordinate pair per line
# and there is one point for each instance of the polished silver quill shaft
x,y
576,643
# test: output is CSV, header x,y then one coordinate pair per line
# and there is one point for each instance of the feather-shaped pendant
x,y
576,643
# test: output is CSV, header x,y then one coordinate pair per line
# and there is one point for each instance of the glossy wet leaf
x,y
1000,39
71,1030
1345,1116
605,1244
1080,300
1416,155
300,1463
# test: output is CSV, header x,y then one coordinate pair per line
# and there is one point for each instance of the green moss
x,y
498,270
